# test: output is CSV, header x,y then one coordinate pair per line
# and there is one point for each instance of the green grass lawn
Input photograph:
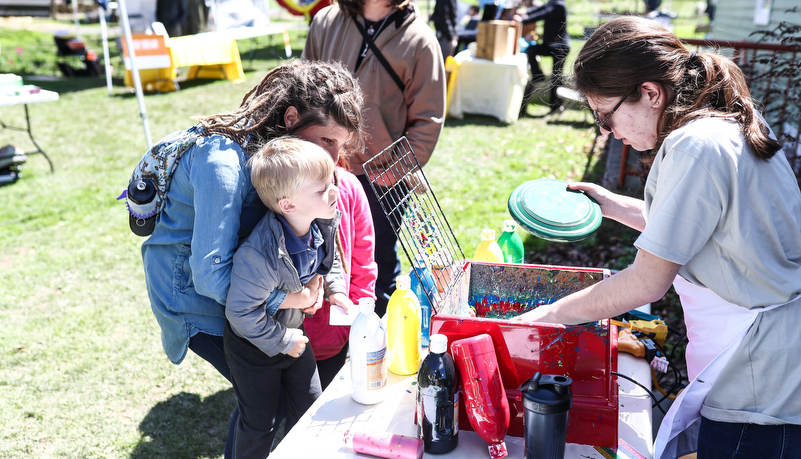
x,y
82,373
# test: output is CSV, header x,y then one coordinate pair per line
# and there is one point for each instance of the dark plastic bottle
x,y
438,399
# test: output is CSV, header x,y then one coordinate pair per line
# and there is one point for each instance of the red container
x,y
484,298
485,401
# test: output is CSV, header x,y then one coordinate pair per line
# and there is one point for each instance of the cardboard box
x,y
488,294
497,39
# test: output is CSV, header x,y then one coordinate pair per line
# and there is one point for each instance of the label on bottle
x,y
376,370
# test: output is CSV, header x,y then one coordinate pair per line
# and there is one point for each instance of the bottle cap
x,y
488,234
438,344
509,225
549,210
403,282
366,305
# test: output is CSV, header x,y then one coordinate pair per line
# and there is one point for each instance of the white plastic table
x,y
485,87
24,99
319,433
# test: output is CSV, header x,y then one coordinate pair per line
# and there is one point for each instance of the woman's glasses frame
x,y
602,123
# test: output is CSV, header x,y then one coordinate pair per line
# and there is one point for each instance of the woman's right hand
x,y
309,299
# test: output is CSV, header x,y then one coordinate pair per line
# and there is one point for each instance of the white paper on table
x,y
338,316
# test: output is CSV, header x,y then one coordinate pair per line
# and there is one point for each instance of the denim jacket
x,y
210,209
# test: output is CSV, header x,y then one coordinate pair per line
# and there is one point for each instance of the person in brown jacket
x,y
404,97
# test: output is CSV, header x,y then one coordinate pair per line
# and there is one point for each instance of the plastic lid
x,y
488,234
547,209
403,282
366,305
509,225
438,344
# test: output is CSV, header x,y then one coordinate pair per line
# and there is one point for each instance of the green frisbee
x,y
549,210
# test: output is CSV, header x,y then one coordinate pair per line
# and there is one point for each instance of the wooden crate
x,y
497,39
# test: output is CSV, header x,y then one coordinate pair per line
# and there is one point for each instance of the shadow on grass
x,y
186,427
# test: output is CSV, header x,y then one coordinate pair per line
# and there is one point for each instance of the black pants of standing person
x,y
557,51
258,380
386,251
212,349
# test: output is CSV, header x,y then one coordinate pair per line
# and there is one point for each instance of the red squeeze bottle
x,y
482,389
384,444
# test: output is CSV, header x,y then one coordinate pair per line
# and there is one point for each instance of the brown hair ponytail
x,y
626,52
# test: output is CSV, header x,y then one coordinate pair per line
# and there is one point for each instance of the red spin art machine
x,y
475,298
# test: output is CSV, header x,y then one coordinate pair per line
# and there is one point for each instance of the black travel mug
x,y
547,399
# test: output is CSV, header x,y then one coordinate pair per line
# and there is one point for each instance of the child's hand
x,y
315,287
339,299
298,347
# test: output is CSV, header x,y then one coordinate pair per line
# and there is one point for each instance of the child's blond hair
x,y
283,165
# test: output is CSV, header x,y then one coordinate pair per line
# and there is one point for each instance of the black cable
x,y
653,397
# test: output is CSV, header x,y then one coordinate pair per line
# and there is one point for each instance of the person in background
x,y
555,42
212,206
279,274
171,13
721,221
444,18
404,94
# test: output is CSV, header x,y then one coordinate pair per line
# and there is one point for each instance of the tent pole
x,y
126,28
104,32
75,18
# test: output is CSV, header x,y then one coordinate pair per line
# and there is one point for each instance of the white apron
x,y
715,329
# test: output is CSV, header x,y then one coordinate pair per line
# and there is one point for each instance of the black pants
x,y
211,349
258,382
328,368
557,51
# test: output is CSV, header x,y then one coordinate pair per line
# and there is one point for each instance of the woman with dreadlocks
x,y
212,206
721,222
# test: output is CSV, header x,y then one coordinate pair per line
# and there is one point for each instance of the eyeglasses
x,y
602,124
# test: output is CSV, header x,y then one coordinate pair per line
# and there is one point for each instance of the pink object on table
x,y
385,444
484,395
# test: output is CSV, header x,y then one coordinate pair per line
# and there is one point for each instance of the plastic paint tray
x,y
489,293
547,209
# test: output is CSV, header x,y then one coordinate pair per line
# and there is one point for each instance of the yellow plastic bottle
x,y
488,250
404,318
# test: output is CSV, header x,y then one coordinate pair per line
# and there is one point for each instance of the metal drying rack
x,y
416,217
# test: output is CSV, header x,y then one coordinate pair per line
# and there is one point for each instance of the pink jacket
x,y
357,238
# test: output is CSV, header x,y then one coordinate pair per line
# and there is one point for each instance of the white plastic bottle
x,y
368,355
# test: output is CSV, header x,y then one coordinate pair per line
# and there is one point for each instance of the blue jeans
x,y
259,380
211,349
724,440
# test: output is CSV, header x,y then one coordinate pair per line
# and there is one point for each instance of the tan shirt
x,y
414,53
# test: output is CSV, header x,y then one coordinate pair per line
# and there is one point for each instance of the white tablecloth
x,y
486,87
319,433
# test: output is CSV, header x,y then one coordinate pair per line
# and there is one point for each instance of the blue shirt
x,y
209,211
305,256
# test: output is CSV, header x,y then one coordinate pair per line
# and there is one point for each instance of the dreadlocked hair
x,y
626,52
320,91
